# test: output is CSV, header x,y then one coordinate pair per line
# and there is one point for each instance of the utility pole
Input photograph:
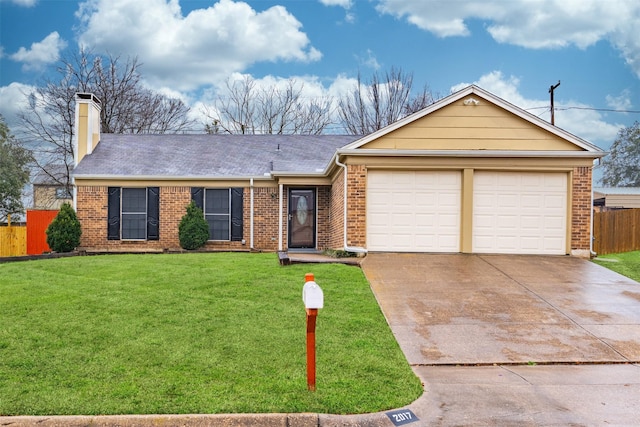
x,y
551,89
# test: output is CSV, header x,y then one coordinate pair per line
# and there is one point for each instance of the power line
x,y
610,110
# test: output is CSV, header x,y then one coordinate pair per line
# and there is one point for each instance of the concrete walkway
x,y
514,340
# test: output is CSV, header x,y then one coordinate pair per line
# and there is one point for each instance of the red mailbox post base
x,y
312,313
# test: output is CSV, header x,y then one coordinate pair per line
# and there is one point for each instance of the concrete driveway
x,y
475,309
514,340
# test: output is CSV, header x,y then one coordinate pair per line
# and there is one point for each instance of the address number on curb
x,y
402,417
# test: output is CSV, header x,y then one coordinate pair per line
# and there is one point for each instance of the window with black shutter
x,y
222,209
113,213
133,213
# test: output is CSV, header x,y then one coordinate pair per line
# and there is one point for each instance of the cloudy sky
x,y
516,49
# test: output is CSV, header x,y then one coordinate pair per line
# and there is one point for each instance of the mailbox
x,y
312,294
313,300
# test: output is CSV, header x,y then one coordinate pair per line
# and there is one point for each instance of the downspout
x,y
251,216
280,218
591,237
344,231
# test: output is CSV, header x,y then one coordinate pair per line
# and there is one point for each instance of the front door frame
x,y
292,213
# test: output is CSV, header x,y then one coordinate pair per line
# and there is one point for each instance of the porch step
x,y
283,257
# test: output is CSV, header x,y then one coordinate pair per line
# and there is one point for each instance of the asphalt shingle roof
x,y
184,155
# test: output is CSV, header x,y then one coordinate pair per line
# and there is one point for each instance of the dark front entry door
x,y
302,218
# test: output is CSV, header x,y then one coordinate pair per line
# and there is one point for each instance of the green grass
x,y
626,263
191,333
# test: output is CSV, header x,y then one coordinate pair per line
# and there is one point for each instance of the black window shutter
x,y
153,213
113,213
197,195
236,214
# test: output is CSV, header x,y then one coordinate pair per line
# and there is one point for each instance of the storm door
x,y
302,218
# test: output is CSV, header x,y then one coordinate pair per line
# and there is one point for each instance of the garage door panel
x,y
519,212
554,202
413,211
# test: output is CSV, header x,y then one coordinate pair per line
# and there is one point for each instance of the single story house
x,y
470,173
609,198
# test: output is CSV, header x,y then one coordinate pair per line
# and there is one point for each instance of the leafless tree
x,y
245,108
381,101
126,107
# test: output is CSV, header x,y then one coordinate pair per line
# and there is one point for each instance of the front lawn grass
x,y
191,333
625,263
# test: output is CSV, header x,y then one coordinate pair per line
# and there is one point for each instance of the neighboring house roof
x,y
55,175
209,156
606,191
617,197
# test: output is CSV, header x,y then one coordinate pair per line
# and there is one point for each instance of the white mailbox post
x,y
313,299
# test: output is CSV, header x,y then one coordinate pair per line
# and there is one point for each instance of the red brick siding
x,y
92,213
324,218
336,213
265,218
581,208
356,205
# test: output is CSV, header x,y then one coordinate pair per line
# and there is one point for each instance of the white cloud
x,y
201,48
369,60
342,3
534,24
41,53
13,98
620,102
25,3
571,115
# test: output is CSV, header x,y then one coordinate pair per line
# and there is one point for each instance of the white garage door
x,y
413,211
519,213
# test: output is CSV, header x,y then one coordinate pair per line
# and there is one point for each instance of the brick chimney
x,y
87,125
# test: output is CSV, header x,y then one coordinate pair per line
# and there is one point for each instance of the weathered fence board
x,y
616,231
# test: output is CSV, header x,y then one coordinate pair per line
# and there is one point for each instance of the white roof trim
x,y
299,173
173,178
468,153
475,90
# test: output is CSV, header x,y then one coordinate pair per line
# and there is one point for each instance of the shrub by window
x,y
193,230
63,234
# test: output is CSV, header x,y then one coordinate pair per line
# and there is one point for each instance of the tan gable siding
x,y
471,127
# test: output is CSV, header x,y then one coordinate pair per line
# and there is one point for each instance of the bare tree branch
x,y
126,107
380,102
245,108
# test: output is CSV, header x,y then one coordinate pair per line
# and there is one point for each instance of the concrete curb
x,y
232,420
195,420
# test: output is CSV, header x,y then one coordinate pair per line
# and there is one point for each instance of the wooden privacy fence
x,y
13,240
616,231
37,223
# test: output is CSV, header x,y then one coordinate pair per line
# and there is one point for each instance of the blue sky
x,y
188,48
